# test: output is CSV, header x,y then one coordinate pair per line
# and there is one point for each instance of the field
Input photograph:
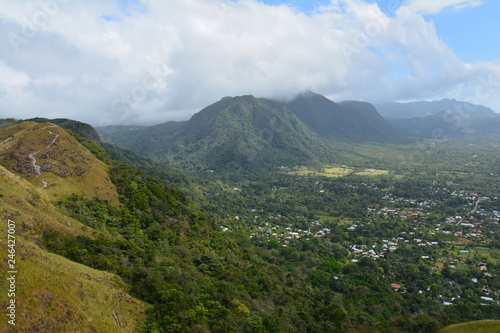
x,y
372,172
333,171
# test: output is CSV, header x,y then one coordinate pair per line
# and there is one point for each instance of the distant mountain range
x,y
438,119
236,135
248,135
423,108
447,124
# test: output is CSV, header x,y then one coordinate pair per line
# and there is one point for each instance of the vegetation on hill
x,y
7,122
53,294
82,129
447,124
351,120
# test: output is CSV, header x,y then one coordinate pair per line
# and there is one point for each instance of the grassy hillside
x,y
64,165
54,294
483,326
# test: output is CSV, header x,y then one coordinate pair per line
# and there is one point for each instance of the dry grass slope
x,y
483,326
65,165
54,294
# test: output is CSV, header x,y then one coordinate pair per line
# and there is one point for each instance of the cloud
x,y
434,7
147,62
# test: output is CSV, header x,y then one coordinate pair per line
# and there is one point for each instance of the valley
x,y
246,219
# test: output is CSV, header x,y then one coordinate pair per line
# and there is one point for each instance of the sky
x,y
150,61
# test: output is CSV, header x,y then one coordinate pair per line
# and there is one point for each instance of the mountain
x,y
40,164
236,135
486,126
144,140
447,124
463,110
350,120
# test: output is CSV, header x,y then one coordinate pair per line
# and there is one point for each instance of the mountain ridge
x,y
447,124
465,110
236,135
348,120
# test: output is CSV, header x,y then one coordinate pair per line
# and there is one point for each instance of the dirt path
x,y
36,167
116,307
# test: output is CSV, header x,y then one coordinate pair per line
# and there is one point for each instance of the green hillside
x,y
82,129
483,326
7,122
351,120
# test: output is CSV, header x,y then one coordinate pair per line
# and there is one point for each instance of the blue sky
x,y
470,32
149,61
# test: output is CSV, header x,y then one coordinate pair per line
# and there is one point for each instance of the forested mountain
x,y
486,126
249,136
464,110
349,120
235,136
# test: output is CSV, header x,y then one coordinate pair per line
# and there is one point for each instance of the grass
x,y
333,172
67,166
483,326
338,171
373,172
55,294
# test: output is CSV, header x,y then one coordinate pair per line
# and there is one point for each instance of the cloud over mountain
x,y
150,61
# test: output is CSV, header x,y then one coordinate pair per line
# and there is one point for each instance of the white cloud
x,y
434,6
166,60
